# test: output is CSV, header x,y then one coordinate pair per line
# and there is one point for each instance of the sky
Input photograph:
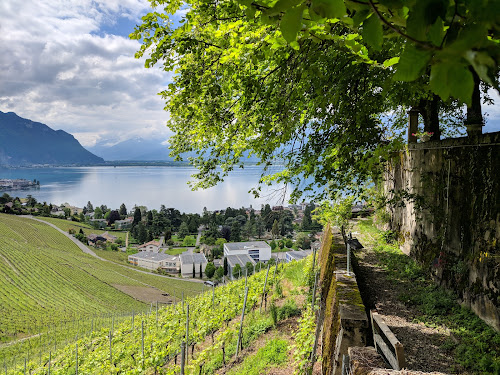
x,y
70,64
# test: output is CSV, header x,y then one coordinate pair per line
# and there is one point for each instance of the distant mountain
x,y
139,149
25,142
133,149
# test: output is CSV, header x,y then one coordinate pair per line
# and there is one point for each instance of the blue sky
x,y
71,65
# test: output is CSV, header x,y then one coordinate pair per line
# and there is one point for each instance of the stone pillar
x,y
412,125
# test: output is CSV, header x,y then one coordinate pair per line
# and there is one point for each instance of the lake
x,y
150,186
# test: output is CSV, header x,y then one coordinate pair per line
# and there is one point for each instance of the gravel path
x,y
422,344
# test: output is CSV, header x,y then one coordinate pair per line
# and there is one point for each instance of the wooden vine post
x,y
264,290
241,323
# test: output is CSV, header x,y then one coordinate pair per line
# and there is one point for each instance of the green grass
x,y
66,225
175,251
45,280
273,354
115,256
477,346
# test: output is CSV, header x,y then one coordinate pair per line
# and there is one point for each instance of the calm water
x,y
148,186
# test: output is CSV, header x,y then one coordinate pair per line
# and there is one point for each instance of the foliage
x,y
336,213
210,270
304,339
272,354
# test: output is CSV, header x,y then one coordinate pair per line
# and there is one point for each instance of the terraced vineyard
x,y
46,281
151,343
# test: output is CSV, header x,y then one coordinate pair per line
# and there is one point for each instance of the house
x,y
124,224
259,251
241,259
150,261
187,261
93,238
151,247
172,264
98,223
290,256
109,237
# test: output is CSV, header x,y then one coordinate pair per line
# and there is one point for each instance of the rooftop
x,y
240,259
193,258
298,255
246,245
154,243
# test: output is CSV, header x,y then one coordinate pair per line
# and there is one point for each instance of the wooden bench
x,y
386,343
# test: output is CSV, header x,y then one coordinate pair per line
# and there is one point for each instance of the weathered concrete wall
x,y
345,322
450,219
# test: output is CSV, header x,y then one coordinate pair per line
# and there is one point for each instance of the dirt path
x,y
422,344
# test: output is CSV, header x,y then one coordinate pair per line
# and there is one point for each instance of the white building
x,y
151,247
259,251
148,260
241,259
187,261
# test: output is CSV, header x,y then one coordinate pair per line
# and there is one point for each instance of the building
x,y
93,238
296,255
172,264
241,259
150,261
259,251
98,223
187,261
124,224
109,237
151,247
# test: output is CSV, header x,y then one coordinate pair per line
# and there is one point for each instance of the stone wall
x,y
446,208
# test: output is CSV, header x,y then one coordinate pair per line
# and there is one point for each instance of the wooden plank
x,y
386,351
385,329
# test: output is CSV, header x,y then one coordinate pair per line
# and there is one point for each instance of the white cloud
x,y
61,67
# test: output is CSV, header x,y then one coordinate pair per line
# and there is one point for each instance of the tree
x,y
89,207
225,233
307,219
272,244
142,233
113,216
219,273
226,268
303,241
123,210
236,232
183,230
30,201
237,271
210,270
337,213
194,272
249,268
137,216
259,226
98,213
276,229
301,68
201,272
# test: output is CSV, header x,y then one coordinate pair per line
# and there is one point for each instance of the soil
x,y
422,344
145,293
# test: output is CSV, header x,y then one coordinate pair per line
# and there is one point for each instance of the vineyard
x,y
213,327
50,289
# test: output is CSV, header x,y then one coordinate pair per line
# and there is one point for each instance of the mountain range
x,y
137,149
24,142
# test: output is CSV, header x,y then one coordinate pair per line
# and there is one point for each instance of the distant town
x,y
18,183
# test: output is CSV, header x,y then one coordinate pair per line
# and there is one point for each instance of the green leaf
x,y
283,6
391,62
411,63
372,32
452,79
291,23
436,32
329,8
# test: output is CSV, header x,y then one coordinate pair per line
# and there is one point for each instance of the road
x,y
88,251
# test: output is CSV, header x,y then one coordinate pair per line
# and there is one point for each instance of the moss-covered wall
x,y
446,206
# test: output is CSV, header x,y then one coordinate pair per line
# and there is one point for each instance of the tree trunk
x,y
474,121
429,109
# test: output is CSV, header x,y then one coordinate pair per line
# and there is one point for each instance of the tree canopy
x,y
307,84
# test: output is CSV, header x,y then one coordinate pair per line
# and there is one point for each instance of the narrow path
x,y
198,237
86,250
422,344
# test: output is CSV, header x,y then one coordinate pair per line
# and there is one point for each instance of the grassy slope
x,y
66,225
46,279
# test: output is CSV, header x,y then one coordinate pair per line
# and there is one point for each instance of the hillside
x,y
25,142
275,337
46,280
